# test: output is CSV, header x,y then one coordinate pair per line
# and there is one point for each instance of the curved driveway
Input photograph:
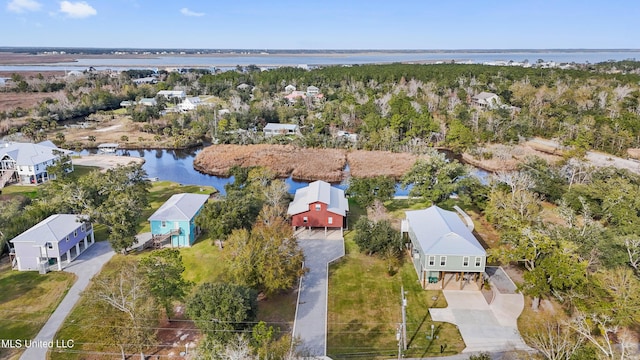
x,y
85,267
310,325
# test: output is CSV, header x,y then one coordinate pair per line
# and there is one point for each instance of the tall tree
x,y
367,190
221,309
163,269
268,257
124,290
436,178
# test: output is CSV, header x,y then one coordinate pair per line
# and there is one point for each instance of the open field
x,y
284,160
507,157
364,163
303,163
27,299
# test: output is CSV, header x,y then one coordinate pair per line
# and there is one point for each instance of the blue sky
x,y
322,24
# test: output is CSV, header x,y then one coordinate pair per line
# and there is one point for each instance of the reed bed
x,y
368,164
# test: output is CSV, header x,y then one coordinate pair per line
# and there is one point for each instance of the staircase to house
x,y
6,177
158,240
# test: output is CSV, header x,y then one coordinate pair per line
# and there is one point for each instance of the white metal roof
x,y
442,232
180,207
31,154
278,126
319,191
50,230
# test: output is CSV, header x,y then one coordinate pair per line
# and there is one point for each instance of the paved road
x,y
85,267
311,314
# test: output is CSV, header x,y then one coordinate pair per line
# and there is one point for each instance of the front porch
x,y
453,281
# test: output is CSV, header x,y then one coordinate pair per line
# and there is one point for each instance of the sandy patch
x,y
105,162
110,128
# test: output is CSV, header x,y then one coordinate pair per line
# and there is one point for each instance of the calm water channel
x,y
177,166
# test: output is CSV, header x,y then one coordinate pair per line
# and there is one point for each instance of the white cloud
x,y
20,6
187,12
77,10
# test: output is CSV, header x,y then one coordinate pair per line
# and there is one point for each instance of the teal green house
x,y
174,221
444,251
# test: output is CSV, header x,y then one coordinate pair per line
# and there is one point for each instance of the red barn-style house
x,y
319,205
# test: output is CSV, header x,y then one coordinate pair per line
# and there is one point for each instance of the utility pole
x,y
404,319
399,339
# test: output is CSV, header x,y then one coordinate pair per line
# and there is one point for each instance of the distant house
x,y
289,89
442,247
148,102
319,205
108,147
28,163
295,95
127,103
486,100
274,129
145,80
52,243
74,73
175,219
190,103
312,91
172,94
243,86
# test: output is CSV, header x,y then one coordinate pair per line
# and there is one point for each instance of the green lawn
x,y
364,311
27,299
31,191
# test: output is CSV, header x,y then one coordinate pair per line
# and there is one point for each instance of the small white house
x,y
190,103
312,91
172,94
148,102
289,88
486,100
274,129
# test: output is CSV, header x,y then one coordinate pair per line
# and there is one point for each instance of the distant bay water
x,y
276,60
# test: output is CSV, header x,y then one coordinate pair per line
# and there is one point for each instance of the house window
x,y
67,239
478,261
164,224
305,219
432,260
318,207
465,261
30,168
83,228
443,261
75,233
49,245
330,220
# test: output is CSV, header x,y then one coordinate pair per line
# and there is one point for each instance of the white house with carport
x,y
53,243
28,163
443,248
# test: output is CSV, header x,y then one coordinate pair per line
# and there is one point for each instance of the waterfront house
x,y
443,247
274,129
53,243
319,205
28,163
175,219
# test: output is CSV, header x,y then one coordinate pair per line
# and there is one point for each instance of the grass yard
x,y
364,311
27,299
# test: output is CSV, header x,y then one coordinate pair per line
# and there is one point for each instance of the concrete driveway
x,y
85,267
311,313
484,327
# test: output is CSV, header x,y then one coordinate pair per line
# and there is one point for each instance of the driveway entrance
x,y
311,312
